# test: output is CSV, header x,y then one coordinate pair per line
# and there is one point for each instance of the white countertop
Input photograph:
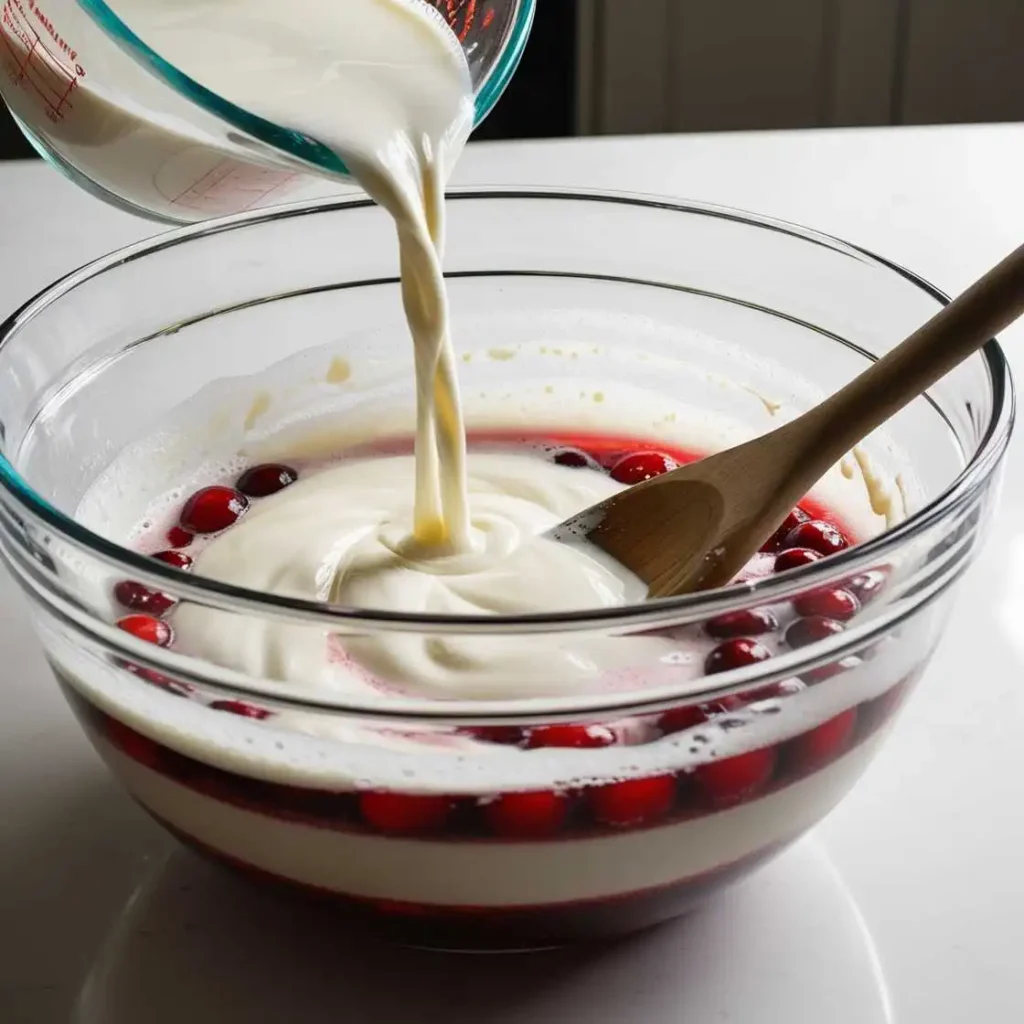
x,y
906,905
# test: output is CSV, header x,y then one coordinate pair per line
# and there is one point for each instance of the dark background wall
x,y
540,101
12,143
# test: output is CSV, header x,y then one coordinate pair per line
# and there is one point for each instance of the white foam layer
x,y
344,752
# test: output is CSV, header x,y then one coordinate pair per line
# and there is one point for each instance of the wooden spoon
x,y
697,526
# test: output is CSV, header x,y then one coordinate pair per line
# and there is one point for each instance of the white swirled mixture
x,y
344,535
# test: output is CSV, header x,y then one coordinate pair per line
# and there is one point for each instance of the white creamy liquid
x,y
385,85
342,535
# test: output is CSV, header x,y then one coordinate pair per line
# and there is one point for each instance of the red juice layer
x,y
494,927
467,819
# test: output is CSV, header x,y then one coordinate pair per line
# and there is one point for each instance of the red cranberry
x,y
749,622
262,481
822,744
240,707
574,459
840,605
212,509
506,735
810,630
159,679
735,654
681,719
686,717
533,814
793,558
817,535
868,585
145,627
790,523
154,677
138,598
176,558
129,742
582,736
404,812
735,779
179,538
633,801
640,466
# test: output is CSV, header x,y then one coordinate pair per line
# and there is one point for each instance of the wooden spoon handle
x,y
991,304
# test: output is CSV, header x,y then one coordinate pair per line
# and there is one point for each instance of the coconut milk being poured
x,y
386,86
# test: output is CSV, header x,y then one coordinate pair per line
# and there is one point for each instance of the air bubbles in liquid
x,y
732,723
678,658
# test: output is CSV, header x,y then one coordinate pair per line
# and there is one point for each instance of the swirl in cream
x,y
343,535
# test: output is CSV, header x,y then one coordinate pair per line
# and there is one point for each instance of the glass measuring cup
x,y
124,124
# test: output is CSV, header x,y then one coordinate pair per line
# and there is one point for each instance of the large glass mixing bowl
x,y
444,823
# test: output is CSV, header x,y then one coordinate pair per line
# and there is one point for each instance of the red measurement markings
x,y
231,187
36,67
460,15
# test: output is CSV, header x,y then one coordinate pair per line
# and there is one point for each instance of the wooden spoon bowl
x,y
696,527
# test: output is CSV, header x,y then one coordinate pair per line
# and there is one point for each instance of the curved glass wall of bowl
x,y
555,310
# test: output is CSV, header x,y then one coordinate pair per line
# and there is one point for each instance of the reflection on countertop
x,y
195,944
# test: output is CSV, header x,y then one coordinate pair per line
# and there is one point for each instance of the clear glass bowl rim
x,y
293,143
650,614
